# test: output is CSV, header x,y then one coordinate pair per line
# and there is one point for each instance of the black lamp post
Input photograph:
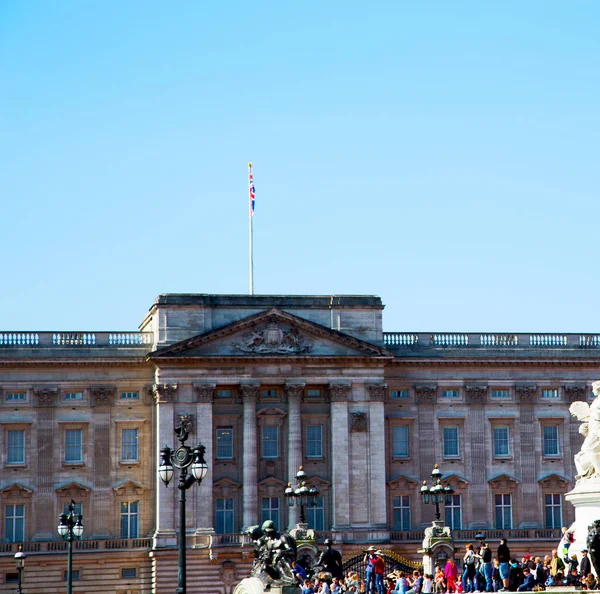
x,y
183,458
70,528
301,496
20,563
436,493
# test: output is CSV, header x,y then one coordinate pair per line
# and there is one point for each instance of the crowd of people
x,y
480,571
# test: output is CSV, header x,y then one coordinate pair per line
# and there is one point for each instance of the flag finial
x,y
249,164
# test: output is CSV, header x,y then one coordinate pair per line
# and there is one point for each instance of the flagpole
x,y
251,236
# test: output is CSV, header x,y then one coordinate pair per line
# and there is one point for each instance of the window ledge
x,y
129,462
71,464
402,459
15,465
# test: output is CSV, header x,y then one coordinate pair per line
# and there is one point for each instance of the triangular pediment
x,y
503,481
72,489
554,481
16,490
129,488
402,483
272,333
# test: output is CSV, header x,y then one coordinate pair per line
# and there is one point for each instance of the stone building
x,y
272,383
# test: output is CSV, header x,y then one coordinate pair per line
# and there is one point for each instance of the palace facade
x,y
269,384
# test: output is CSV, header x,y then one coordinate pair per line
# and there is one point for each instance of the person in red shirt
x,y
378,571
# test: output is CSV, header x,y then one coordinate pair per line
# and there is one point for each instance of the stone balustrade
x,y
10,548
413,340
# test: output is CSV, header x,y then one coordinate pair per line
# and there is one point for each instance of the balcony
x,y
469,535
10,548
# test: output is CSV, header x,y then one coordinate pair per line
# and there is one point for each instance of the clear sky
x,y
440,154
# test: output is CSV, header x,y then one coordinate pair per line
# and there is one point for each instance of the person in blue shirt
x,y
528,581
307,587
299,572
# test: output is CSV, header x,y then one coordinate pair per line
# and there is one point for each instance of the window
x,y
14,523
400,441
75,575
453,511
398,394
11,578
224,516
224,393
129,519
550,393
314,441
270,510
551,440
269,393
129,445
553,510
501,441
73,395
130,395
315,515
449,393
451,449
401,509
15,397
73,445
503,508
270,441
15,447
313,393
500,394
128,572
225,443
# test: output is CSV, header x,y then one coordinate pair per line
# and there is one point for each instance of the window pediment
x,y
504,482
17,490
130,488
403,483
554,481
73,489
226,487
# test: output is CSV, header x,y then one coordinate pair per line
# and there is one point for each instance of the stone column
x,y
339,456
294,396
475,396
46,464
378,515
250,456
101,398
527,463
203,433
425,398
166,501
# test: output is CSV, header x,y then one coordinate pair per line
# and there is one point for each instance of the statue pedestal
x,y
253,585
438,546
585,497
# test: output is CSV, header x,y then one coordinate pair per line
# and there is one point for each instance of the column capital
x,y
205,392
249,391
164,393
377,392
293,391
339,392
476,394
425,394
45,396
102,395
525,393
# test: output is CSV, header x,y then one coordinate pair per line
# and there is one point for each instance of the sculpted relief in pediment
x,y
271,339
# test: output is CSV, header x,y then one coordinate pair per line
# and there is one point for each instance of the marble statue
x,y
587,460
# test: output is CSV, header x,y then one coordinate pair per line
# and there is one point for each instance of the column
x,y
102,502
340,471
250,473
425,397
203,433
166,498
529,488
46,464
294,396
377,457
476,426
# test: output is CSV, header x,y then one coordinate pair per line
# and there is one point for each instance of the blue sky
x,y
443,155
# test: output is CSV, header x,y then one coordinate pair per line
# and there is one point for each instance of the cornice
x,y
185,361
495,362
73,362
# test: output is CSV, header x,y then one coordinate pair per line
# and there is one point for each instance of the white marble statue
x,y
587,460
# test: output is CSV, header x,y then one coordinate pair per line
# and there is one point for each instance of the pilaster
x,y
339,394
250,456
164,397
377,454
527,463
475,397
294,396
203,432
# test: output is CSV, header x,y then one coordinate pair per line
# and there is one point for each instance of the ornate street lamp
x,y
183,458
301,496
70,528
436,493
20,563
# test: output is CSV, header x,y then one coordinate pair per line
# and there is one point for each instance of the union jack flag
x,y
252,193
